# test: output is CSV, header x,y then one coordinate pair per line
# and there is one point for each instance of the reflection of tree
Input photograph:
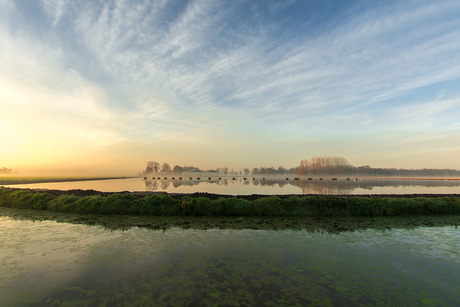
x,y
310,187
164,184
325,187
151,185
370,183
347,187
314,186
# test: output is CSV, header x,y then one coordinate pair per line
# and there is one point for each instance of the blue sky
x,y
105,86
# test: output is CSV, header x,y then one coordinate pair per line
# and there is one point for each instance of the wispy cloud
x,y
158,70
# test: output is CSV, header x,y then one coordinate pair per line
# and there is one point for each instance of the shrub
x,y
89,204
41,201
200,206
120,203
64,203
267,206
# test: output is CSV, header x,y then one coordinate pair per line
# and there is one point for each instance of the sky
x,y
102,87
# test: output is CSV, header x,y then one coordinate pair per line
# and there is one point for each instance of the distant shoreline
x,y
26,180
10,180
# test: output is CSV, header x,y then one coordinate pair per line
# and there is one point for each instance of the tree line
x,y
5,170
316,166
156,168
336,166
164,168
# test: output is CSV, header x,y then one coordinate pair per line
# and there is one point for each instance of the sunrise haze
x,y
102,87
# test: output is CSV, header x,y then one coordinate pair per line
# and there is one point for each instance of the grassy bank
x,y
165,205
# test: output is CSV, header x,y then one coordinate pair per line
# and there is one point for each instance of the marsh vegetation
x,y
216,205
51,258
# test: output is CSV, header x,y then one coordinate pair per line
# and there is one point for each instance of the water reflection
x,y
259,185
312,225
332,186
49,263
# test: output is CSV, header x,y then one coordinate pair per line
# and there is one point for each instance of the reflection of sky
x,y
107,87
91,263
268,187
35,260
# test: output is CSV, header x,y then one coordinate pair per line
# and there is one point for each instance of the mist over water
x,y
288,185
259,185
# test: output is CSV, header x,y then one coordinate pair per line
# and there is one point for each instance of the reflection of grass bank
x,y
166,205
27,180
310,224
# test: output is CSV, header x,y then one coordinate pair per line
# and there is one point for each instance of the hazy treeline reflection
x,y
305,185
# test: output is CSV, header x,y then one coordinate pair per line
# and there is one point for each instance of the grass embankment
x,y
165,205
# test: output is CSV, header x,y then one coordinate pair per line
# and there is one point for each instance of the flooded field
x,y
50,258
261,185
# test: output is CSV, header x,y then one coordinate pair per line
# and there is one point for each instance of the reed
x,y
165,205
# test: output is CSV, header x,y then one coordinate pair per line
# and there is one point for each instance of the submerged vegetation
x,y
196,205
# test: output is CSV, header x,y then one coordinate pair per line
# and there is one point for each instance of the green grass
x,y
165,205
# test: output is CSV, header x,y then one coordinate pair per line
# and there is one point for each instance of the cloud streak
x,y
193,71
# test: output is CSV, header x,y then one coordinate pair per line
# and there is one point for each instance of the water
x,y
50,262
268,186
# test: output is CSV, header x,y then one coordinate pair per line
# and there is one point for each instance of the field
x,y
9,180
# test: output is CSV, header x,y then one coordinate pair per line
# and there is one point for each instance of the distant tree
x,y
178,169
246,171
190,169
324,165
152,167
5,170
165,167
255,171
225,170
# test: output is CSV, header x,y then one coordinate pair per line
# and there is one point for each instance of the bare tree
x,y
152,167
165,167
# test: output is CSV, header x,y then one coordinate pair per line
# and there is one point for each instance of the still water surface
x,y
268,186
47,262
